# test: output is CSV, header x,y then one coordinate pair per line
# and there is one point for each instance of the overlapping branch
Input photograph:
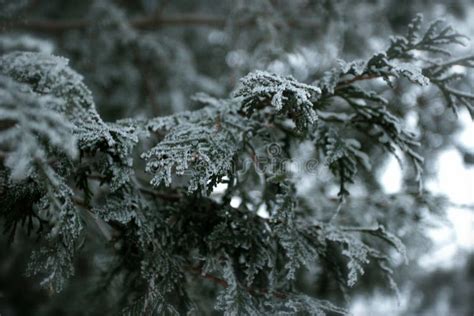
x,y
144,22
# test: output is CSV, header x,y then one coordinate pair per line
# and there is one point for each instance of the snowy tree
x,y
195,157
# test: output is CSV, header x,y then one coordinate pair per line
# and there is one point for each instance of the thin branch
x,y
164,196
146,22
105,229
360,229
223,283
208,276
362,77
59,26
463,206
338,210
179,20
464,61
453,62
171,197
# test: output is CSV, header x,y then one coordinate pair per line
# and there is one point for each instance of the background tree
x,y
208,157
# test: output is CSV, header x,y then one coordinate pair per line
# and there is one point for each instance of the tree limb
x,y
145,22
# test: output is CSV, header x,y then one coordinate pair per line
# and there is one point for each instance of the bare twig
x,y
145,22
171,197
223,283
362,77
59,26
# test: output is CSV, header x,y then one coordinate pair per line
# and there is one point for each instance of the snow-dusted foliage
x,y
199,147
142,188
32,129
286,95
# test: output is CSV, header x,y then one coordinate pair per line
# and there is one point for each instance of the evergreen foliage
x,y
137,194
